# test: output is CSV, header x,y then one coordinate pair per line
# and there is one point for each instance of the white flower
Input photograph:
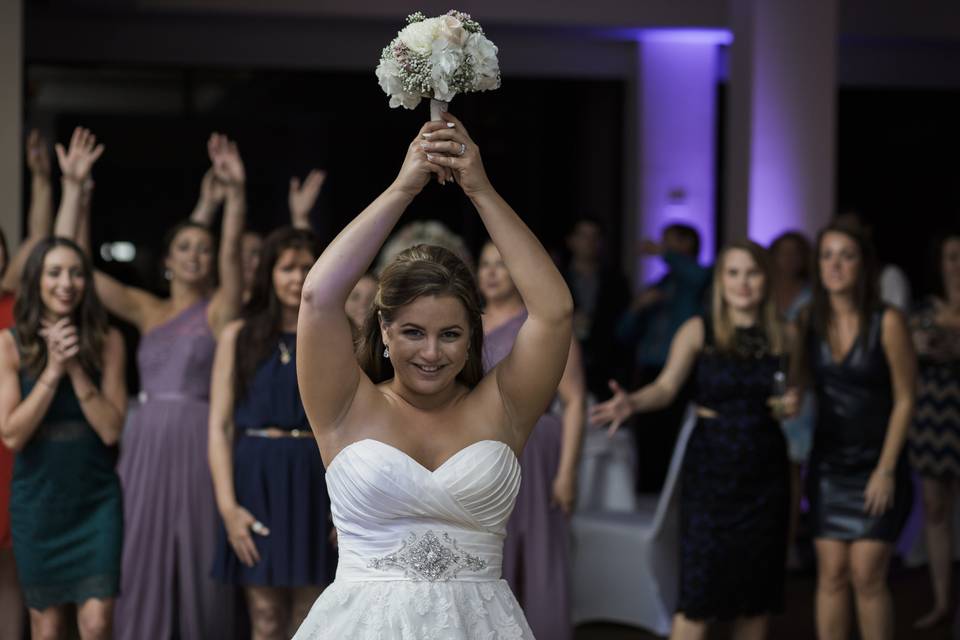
x,y
486,67
388,75
419,36
404,99
445,59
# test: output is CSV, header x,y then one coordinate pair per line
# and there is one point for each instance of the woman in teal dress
x,y
62,401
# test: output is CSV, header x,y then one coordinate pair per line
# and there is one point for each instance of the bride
x,y
420,447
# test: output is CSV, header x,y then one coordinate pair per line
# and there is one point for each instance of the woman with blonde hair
x,y
735,490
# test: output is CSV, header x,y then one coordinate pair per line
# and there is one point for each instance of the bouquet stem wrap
x,y
437,107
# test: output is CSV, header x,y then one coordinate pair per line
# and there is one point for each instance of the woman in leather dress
x,y
859,358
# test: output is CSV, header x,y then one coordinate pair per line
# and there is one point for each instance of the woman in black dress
x,y
859,359
735,494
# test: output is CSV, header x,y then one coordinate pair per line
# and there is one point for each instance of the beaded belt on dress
x,y
427,556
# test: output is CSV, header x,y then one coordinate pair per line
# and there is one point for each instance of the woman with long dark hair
x,y
170,515
420,445
735,496
859,359
267,472
934,438
62,402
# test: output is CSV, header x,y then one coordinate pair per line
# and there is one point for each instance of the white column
x,y
781,130
11,137
677,112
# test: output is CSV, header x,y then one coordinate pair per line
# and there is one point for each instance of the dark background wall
x,y
551,147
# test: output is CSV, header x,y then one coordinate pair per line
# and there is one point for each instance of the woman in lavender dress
x,y
535,552
170,517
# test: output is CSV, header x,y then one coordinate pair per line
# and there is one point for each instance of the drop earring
x,y
386,352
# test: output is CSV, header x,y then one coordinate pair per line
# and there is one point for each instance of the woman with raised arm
x,y
859,359
267,472
62,402
300,198
735,495
170,515
39,222
421,447
536,554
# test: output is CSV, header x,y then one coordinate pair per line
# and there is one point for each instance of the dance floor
x,y
911,594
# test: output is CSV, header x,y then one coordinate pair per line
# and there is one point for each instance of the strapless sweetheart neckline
x,y
416,462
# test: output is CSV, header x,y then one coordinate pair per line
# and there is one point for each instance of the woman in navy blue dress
x,y
267,472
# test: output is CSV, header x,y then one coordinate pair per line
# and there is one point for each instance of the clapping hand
x,y
63,344
614,411
38,157
78,159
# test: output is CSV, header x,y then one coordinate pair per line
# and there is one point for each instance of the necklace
x,y
284,353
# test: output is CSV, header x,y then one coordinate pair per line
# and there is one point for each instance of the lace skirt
x,y
409,610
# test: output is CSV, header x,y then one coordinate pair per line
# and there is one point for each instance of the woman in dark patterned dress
x,y
735,493
934,438
859,359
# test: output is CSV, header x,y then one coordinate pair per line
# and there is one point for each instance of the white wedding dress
x,y
420,551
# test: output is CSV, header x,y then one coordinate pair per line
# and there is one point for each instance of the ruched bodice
x,y
175,358
420,549
379,496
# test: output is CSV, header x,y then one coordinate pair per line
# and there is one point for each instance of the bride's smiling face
x,y
428,340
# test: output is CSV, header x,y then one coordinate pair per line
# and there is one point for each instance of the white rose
x,y
452,29
419,36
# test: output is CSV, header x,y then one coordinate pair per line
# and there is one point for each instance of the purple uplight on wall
x,y
677,109
691,35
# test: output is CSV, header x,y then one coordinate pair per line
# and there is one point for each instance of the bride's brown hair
x,y
422,270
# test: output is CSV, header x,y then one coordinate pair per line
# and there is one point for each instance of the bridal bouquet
x,y
437,58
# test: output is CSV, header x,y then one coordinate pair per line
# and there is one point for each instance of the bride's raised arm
x,y
327,369
527,378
